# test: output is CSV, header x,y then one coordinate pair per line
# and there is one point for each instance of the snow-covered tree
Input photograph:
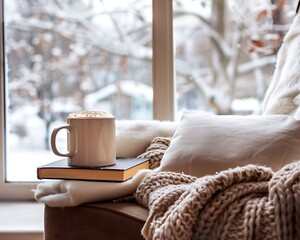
x,y
62,52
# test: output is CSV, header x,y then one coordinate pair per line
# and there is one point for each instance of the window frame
x,y
164,103
163,87
8,191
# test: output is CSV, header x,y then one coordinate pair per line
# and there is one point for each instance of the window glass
x,y
67,56
225,52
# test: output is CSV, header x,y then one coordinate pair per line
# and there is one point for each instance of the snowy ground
x,y
22,165
26,154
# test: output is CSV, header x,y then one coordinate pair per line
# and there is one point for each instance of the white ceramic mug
x,y
91,139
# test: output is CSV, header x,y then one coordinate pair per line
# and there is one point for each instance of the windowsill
x,y
24,219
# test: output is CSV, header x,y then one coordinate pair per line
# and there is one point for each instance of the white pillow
x,y
205,144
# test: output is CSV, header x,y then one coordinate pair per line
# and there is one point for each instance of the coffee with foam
x,y
90,114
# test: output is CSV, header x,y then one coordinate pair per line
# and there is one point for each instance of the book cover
x,y
124,169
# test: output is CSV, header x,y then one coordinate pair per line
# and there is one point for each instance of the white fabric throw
x,y
283,95
73,193
133,137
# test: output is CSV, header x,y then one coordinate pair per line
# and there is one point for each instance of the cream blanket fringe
x,y
248,202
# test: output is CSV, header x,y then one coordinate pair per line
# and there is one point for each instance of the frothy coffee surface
x,y
90,114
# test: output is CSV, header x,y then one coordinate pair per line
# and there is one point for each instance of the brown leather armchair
x,y
95,221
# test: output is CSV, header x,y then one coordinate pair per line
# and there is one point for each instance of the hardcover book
x,y
124,169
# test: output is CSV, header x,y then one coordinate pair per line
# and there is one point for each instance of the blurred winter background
x,y
65,56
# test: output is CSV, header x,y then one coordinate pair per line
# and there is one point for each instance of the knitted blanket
x,y
250,202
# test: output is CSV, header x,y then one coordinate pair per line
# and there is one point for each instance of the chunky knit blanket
x,y
250,202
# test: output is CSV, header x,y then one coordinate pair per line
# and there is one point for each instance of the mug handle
x,y
53,142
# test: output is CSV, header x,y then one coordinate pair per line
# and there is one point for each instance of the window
x,y
66,56
225,56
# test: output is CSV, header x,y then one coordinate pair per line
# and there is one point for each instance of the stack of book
x,y
124,169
